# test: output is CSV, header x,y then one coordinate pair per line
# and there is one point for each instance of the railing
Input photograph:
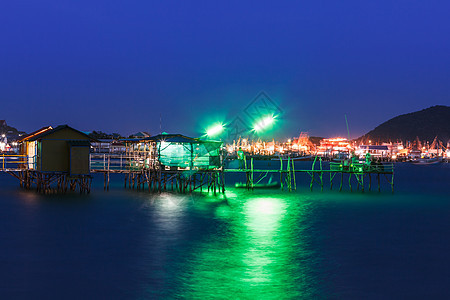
x,y
118,162
98,162
347,166
12,162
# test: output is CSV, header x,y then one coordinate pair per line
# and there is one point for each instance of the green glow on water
x,y
263,216
253,257
262,220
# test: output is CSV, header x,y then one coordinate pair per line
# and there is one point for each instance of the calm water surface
x,y
268,244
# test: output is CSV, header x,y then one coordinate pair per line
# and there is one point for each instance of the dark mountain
x,y
425,124
10,132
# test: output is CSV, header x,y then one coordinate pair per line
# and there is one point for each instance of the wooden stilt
x,y
281,172
362,182
350,181
293,173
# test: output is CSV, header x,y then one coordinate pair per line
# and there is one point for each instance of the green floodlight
x,y
215,130
264,123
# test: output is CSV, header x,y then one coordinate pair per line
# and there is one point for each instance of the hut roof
x,y
53,130
35,133
171,138
141,134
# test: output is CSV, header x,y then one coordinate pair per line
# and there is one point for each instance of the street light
x,y
215,130
264,123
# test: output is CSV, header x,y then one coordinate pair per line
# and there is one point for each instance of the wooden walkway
x,y
151,176
360,171
12,162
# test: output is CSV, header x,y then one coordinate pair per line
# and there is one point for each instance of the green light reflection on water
x,y
262,219
253,256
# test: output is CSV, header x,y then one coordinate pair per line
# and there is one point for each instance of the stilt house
x,y
60,150
175,151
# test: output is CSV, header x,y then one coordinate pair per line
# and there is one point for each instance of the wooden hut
x,y
61,149
175,151
184,163
28,147
58,154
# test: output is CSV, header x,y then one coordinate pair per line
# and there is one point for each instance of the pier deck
x,y
156,177
317,177
359,171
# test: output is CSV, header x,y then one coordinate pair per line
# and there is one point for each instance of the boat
x,y
427,161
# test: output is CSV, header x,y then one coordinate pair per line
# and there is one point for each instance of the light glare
x,y
264,123
214,130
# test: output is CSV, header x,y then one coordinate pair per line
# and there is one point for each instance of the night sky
x,y
116,66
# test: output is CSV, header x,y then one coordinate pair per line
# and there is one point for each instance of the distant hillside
x,y
425,124
11,132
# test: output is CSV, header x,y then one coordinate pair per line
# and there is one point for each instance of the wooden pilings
x,y
176,180
53,182
360,182
355,172
163,178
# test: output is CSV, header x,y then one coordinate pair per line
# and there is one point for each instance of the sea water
x,y
261,244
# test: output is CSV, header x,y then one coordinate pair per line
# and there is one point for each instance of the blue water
x,y
270,244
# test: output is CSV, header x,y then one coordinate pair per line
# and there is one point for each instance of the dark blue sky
x,y
116,66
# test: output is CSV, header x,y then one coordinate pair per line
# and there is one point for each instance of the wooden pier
x,y
59,160
346,173
155,177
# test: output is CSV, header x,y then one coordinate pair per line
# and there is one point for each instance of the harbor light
x,y
264,123
215,130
